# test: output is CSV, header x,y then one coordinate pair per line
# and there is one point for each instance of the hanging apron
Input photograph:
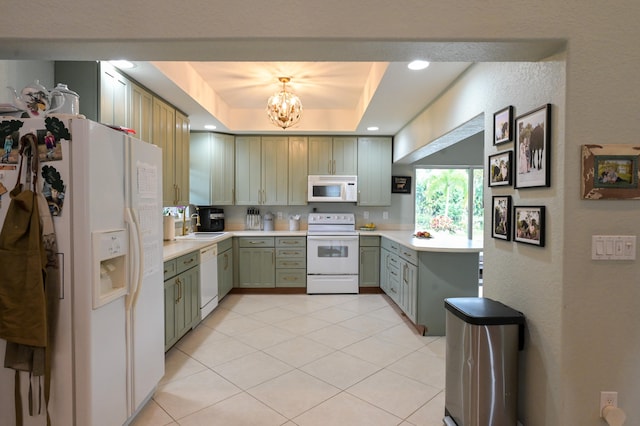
x,y
23,303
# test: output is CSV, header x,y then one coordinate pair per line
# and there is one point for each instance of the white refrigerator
x,y
108,351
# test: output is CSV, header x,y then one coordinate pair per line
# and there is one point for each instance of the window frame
x,y
470,190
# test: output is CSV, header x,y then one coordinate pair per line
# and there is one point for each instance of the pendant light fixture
x,y
284,108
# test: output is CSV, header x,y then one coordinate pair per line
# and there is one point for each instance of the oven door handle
x,y
333,237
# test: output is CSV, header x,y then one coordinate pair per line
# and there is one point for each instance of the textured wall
x,y
575,302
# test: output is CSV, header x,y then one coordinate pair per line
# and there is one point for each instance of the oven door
x,y
332,254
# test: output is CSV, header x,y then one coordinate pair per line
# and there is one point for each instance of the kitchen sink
x,y
203,235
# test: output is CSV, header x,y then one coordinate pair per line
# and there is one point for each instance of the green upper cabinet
x,y
298,170
181,165
200,168
262,170
141,112
275,170
114,89
333,155
248,173
211,177
374,171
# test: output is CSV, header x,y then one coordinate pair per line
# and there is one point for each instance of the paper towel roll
x,y
614,416
169,228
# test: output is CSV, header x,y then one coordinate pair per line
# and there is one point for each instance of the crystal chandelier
x,y
284,108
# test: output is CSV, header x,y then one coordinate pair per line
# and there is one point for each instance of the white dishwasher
x,y
208,280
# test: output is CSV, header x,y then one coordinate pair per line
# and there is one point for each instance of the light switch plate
x,y
613,247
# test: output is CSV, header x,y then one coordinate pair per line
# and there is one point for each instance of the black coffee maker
x,y
211,219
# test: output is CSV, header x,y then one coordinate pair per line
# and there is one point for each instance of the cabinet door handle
x,y
179,285
334,167
226,261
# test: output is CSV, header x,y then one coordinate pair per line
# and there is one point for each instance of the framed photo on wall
x,y
501,217
500,166
610,172
529,226
503,126
533,148
401,184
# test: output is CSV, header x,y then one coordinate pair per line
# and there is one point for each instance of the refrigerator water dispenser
x,y
110,251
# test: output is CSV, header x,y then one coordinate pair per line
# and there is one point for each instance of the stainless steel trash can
x,y
483,340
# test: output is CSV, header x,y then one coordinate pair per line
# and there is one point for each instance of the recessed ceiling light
x,y
418,65
123,64
210,127
373,128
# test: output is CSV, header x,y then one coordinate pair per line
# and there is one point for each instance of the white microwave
x,y
332,188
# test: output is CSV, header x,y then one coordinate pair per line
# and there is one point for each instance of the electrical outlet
x,y
279,215
365,215
385,215
608,398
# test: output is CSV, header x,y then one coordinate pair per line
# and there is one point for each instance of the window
x,y
444,199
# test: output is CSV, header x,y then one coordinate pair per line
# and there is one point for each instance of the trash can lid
x,y
483,311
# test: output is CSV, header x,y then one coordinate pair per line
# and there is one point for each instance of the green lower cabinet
x,y
369,273
257,268
170,303
181,297
225,268
225,273
419,281
291,262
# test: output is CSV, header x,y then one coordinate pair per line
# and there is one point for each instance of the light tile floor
x,y
301,360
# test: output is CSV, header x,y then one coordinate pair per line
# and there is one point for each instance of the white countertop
x,y
437,243
184,245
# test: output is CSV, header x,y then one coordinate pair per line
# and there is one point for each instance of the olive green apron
x,y
23,302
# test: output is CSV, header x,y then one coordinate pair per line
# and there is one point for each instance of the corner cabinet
x,y
262,170
181,297
374,171
211,171
333,155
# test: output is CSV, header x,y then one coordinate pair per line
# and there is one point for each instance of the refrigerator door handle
x,y
137,257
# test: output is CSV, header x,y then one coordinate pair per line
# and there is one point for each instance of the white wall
x,y
587,299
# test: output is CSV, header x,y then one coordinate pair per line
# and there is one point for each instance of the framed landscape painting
x,y
533,148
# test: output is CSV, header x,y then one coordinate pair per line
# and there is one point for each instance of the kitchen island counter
x,y
442,244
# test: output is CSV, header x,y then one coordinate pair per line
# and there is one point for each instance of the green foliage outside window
x,y
442,201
